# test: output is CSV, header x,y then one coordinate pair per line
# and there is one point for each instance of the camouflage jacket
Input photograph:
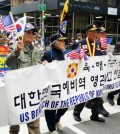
x,y
27,57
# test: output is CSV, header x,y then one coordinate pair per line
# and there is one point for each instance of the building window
x,y
111,2
18,2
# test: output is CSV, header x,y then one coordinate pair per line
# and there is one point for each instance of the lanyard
x,y
92,53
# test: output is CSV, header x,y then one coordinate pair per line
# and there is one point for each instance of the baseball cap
x,y
57,36
29,27
92,27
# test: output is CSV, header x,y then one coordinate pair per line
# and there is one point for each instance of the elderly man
x,y
92,48
24,54
102,34
79,37
55,53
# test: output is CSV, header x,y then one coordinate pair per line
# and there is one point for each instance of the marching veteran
x,y
55,53
24,54
92,48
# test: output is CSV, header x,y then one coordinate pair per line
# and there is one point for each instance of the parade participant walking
x,y
4,40
110,96
102,38
92,48
75,44
79,37
24,54
55,53
102,34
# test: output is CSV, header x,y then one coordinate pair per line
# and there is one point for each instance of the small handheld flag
x,y
20,25
109,40
1,25
8,24
105,42
77,54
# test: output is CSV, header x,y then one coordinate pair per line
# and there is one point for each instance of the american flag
x,y
7,24
76,54
105,42
1,25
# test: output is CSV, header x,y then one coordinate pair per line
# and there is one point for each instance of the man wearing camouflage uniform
x,y
24,54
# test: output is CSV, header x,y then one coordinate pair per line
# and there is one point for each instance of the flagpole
x,y
10,13
26,18
73,27
24,14
43,32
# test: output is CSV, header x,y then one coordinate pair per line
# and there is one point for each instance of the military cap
x,y
102,29
92,27
57,36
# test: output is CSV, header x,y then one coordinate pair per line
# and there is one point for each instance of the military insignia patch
x,y
84,46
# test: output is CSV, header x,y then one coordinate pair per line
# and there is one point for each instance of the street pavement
x,y
86,126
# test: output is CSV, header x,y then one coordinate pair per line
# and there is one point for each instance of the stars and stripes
x,y
105,42
7,24
77,54
1,25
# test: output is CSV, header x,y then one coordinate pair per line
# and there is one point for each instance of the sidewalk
x,y
67,122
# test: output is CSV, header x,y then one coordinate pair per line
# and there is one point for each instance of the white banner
x,y
58,85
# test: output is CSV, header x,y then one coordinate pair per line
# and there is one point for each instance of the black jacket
x,y
53,54
83,44
116,50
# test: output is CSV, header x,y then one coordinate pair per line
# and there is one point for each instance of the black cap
x,y
92,27
57,36
29,27
102,29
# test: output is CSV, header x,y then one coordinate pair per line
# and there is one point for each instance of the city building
x,y
81,13
5,6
